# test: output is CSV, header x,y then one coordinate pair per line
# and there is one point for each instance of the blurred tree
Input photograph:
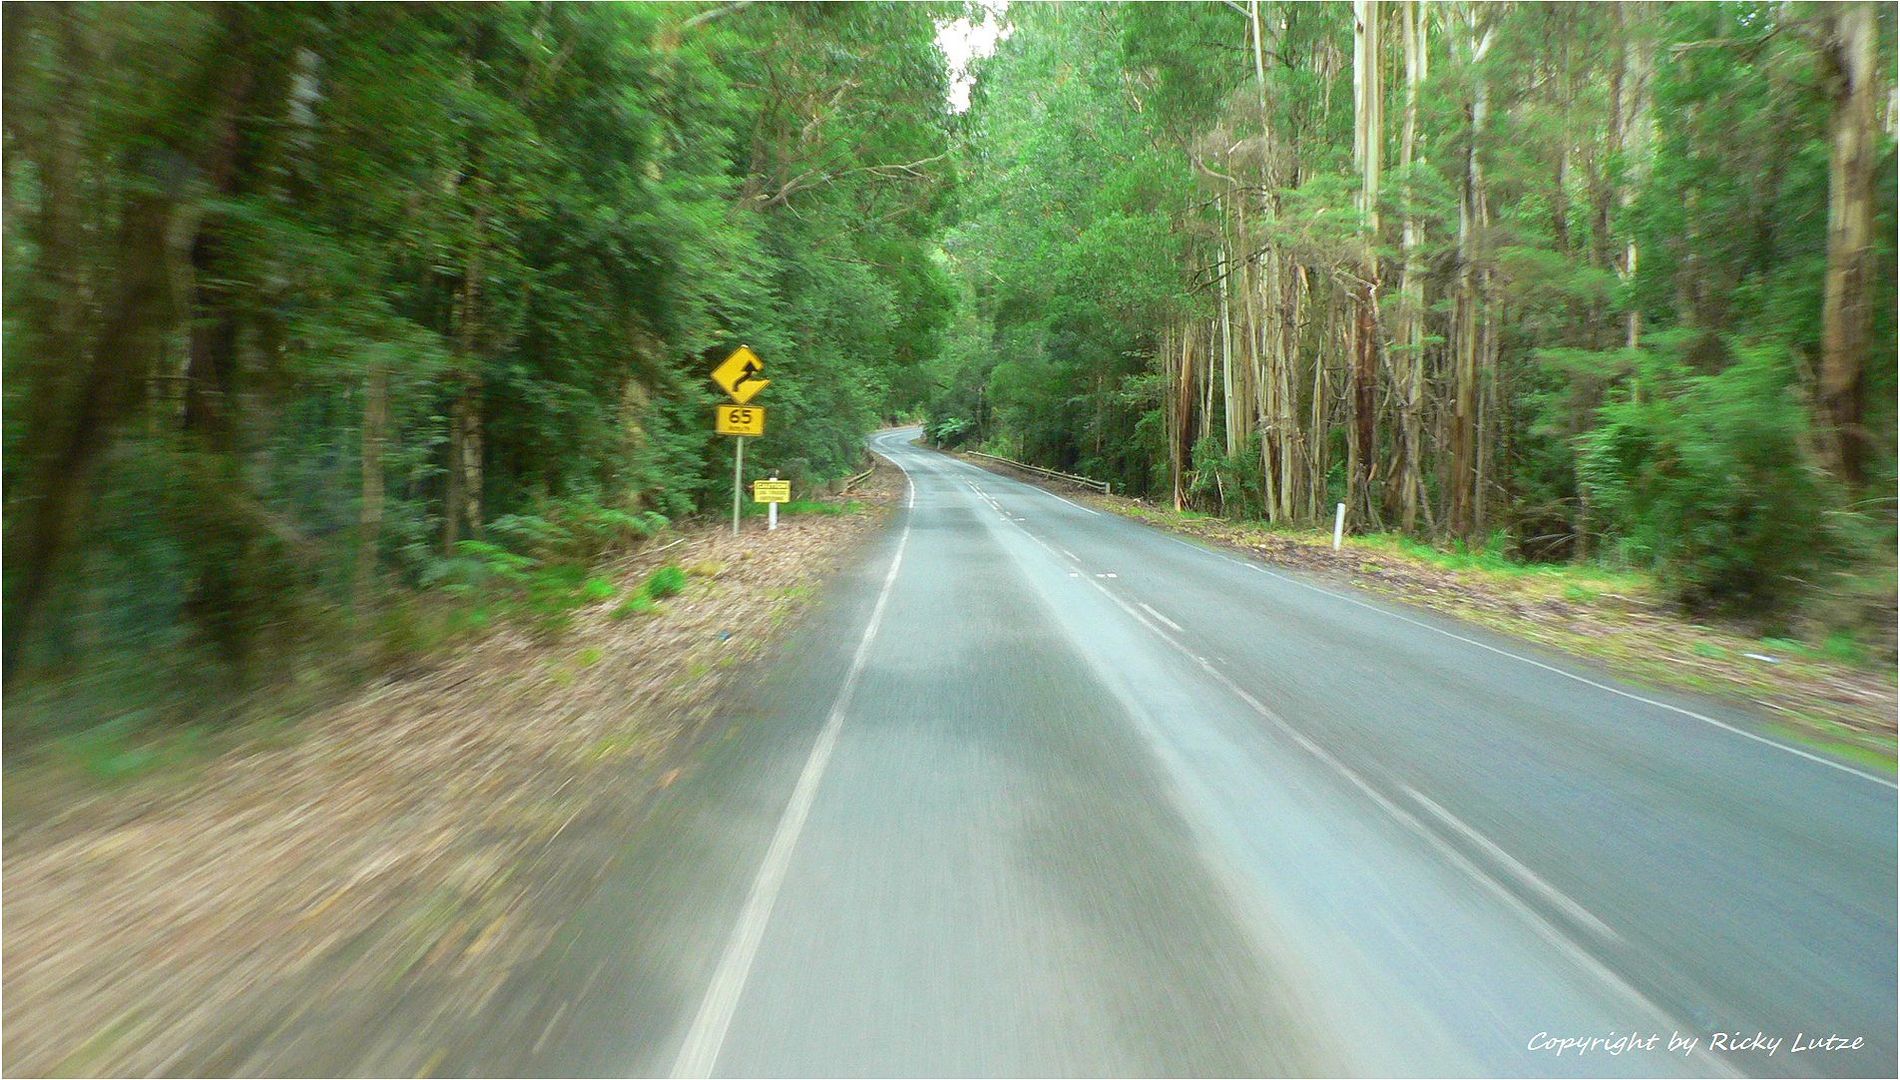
x,y
306,296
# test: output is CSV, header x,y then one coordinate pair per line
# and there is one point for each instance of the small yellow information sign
x,y
771,491
738,374
740,420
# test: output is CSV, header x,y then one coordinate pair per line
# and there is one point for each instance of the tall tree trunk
x,y
1320,458
224,599
141,311
1462,480
1634,132
1849,57
1271,382
73,434
1225,268
215,603
462,504
1368,148
370,516
1410,366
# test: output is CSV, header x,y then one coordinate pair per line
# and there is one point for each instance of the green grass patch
x,y
668,580
129,747
807,506
664,582
636,603
1843,647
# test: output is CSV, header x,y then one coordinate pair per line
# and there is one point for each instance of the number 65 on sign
x,y
740,420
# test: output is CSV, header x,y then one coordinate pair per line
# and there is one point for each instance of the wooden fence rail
x,y
1098,485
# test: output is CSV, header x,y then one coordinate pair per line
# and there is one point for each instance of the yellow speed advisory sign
x,y
740,420
771,491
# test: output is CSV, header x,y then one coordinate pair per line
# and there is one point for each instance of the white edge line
x,y
1710,720
1170,623
1518,870
704,1039
1077,505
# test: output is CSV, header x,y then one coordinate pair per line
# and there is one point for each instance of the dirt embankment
x,y
1617,622
402,845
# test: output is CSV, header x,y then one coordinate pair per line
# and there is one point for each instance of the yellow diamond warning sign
x,y
738,375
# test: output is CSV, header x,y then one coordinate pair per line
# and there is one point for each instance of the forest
x,y
1563,282
321,318
315,311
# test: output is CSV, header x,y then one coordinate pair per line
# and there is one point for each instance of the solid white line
x,y
1077,505
700,1052
1710,720
1518,870
1175,626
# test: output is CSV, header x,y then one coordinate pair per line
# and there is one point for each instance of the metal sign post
x,y
738,478
738,376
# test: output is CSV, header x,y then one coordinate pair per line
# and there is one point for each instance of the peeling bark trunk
x,y
1410,366
1462,481
1849,61
1368,138
1633,91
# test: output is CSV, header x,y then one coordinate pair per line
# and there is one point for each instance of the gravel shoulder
x,y
403,850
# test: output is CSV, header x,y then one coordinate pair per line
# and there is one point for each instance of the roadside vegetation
x,y
1601,287
337,333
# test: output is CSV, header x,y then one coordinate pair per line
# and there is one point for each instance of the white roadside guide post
x,y
771,493
1339,526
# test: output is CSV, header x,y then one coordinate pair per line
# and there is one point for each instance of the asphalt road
x,y
1043,791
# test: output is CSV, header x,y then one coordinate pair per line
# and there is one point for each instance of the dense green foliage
x,y
313,306
1582,316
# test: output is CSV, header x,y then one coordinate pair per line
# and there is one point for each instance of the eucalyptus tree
x,y
1466,267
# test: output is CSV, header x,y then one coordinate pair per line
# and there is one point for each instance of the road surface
x,y
1043,791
